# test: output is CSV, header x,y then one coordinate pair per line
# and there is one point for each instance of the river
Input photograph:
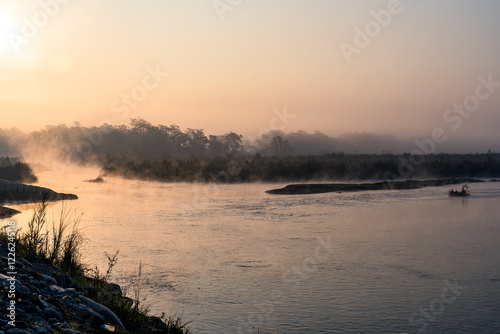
x,y
233,259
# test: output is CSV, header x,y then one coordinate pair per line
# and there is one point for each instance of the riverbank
x,y
14,192
46,287
14,170
37,297
305,189
247,168
7,212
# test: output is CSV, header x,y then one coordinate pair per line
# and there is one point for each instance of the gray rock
x,y
63,325
65,281
47,269
49,280
18,331
42,329
71,292
28,307
6,282
33,288
90,316
26,263
51,312
108,315
56,288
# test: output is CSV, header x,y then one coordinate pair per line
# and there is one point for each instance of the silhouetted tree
x,y
233,142
280,146
215,146
197,142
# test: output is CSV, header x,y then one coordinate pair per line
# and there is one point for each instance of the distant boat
x,y
463,193
96,180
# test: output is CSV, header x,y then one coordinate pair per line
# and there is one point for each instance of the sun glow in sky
x,y
6,25
229,66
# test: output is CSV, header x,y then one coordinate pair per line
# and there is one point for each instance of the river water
x,y
233,259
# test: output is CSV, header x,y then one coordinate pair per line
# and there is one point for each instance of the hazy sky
x,y
231,63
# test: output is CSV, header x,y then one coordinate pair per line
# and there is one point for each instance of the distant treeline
x,y
13,170
159,152
141,139
330,167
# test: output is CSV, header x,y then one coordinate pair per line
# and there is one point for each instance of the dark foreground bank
x,y
38,298
45,287
304,189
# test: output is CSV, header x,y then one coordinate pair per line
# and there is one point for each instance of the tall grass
x,y
59,241
34,240
137,288
129,303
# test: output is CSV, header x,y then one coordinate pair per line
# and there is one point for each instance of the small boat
x,y
463,193
96,180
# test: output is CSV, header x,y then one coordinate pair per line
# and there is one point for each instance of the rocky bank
x,y
37,298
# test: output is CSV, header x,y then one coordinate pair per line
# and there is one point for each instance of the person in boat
x,y
456,193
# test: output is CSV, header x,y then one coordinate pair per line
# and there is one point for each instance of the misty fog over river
x,y
233,259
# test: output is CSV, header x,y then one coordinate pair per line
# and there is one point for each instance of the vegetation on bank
x,y
240,167
77,144
328,167
13,170
59,243
141,150
311,188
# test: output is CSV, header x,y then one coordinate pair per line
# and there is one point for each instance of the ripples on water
x,y
231,256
